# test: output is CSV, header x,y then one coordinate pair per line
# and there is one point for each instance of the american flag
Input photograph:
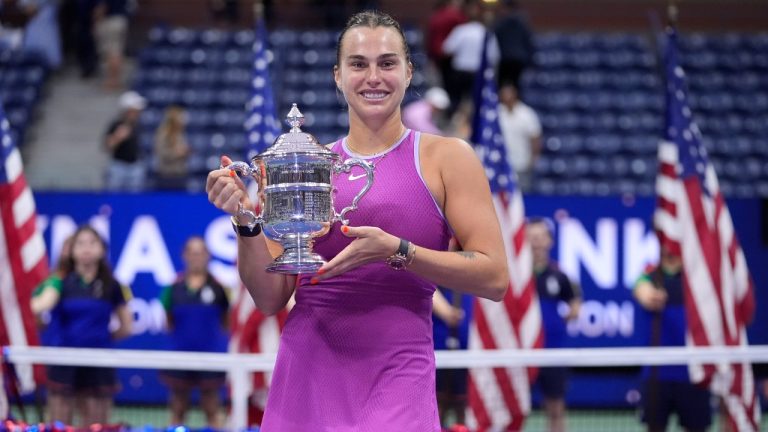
x,y
23,262
261,125
693,221
500,397
252,331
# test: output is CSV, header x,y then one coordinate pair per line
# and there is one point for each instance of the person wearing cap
x,y
126,170
420,115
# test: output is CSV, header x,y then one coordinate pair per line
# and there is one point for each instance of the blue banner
x,y
603,244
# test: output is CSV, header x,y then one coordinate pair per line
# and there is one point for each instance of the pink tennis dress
x,y
356,353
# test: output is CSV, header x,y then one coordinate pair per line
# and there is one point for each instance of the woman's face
x,y
373,72
87,248
196,256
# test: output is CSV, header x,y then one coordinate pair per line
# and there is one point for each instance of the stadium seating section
x,y
22,75
601,102
599,97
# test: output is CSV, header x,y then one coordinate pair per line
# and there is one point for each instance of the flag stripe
x,y
499,398
693,221
23,262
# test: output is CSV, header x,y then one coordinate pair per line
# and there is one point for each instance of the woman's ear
x,y
337,77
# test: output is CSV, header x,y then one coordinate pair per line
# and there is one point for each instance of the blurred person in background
x,y
225,13
196,307
44,318
126,169
515,39
465,46
668,389
446,15
171,150
112,18
82,301
451,313
14,17
423,114
521,129
553,288
87,55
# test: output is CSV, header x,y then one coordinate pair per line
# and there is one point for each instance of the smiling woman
x,y
356,352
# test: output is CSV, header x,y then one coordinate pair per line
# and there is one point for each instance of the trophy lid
x,y
296,141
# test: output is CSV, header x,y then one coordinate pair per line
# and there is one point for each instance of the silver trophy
x,y
296,194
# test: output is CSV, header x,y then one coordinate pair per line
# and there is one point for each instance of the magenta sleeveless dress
x,y
356,353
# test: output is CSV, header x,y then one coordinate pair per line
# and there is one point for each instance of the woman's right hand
x,y
226,190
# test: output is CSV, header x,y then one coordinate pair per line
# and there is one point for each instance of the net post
x,y
239,378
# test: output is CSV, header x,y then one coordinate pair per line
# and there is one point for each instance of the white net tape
x,y
238,366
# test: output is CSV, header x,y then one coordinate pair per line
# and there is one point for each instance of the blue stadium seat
x,y
599,97
317,39
243,39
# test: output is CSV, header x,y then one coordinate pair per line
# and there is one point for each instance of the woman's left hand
x,y
370,244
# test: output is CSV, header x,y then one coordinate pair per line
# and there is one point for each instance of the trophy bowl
x,y
295,183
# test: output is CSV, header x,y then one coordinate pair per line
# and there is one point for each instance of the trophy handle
x,y
345,167
244,169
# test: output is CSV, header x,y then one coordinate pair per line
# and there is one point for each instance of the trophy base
x,y
296,263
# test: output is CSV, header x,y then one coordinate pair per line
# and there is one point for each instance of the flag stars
x,y
686,112
672,131
700,168
688,136
680,95
494,156
679,72
258,82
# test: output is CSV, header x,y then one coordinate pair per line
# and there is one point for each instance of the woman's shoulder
x,y
443,146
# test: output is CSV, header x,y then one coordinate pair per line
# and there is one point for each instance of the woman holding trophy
x,y
356,352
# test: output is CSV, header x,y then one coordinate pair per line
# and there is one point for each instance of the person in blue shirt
x,y
553,287
196,306
669,389
82,298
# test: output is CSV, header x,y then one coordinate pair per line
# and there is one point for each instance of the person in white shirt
x,y
522,134
465,46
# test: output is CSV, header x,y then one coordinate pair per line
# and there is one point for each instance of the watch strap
x,y
399,260
245,230
402,250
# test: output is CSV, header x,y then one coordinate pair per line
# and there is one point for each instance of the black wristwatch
x,y
399,259
245,230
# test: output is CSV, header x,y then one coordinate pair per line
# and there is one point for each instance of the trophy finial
x,y
295,119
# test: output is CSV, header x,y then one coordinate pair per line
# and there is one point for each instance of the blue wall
x,y
601,242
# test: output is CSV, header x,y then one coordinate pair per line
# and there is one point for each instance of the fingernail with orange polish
x,y
345,229
313,281
232,173
321,271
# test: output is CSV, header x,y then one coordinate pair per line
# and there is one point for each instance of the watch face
x,y
396,262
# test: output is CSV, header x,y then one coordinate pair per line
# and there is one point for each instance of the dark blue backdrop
x,y
603,243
